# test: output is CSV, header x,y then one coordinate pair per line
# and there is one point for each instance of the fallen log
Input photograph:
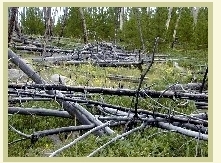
x,y
73,109
56,60
188,86
112,91
125,78
37,49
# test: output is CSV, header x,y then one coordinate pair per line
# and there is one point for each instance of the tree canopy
x,y
129,25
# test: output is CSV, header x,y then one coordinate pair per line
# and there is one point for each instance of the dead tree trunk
x,y
175,28
84,25
73,109
116,12
11,22
17,28
63,23
45,15
169,17
139,27
9,10
53,16
195,14
48,30
121,18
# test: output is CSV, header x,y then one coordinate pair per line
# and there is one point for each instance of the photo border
x,y
109,4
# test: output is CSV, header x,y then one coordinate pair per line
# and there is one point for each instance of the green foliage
x,y
151,142
102,21
185,28
170,31
32,21
159,22
131,33
58,27
74,26
201,29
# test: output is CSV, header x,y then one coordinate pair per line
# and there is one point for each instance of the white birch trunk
x,y
195,14
169,17
139,27
176,25
84,25
121,18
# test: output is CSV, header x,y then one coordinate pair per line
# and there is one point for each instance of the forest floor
x,y
151,142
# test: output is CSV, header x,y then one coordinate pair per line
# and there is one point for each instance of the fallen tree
x,y
73,109
111,91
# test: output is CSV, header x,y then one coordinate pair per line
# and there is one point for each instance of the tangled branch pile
x,y
76,101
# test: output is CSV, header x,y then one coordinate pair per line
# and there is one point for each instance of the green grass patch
x,y
138,144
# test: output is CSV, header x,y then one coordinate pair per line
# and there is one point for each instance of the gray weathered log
x,y
112,91
55,59
188,86
190,133
39,112
53,50
72,108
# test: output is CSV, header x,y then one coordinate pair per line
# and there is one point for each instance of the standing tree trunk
x,y
121,18
135,11
24,11
169,17
48,28
83,25
116,12
54,14
175,28
148,10
63,23
45,16
195,14
49,22
17,28
9,11
11,22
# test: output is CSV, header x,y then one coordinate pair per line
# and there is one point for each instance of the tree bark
x,y
45,15
121,17
139,27
116,11
17,29
84,25
11,22
74,109
175,28
48,30
16,26
195,14
169,17
48,27
9,9
54,14
64,23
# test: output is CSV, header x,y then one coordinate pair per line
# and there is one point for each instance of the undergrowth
x,y
138,144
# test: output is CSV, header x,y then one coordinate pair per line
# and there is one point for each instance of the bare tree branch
x,y
79,138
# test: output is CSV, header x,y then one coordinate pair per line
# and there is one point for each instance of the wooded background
x,y
134,26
